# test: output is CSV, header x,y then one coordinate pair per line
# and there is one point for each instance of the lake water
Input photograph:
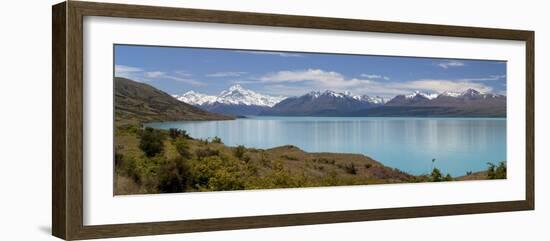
x,y
458,144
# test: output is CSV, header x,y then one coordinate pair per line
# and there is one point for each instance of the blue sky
x,y
176,70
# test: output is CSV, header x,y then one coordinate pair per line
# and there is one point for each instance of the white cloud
x,y
449,64
489,78
281,54
154,74
138,74
439,86
317,79
183,73
126,71
227,74
163,75
183,80
375,76
321,78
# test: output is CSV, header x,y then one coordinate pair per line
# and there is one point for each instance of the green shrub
x,y
217,140
448,177
239,151
206,152
216,173
173,176
151,142
496,172
130,168
490,170
182,147
175,133
501,171
436,175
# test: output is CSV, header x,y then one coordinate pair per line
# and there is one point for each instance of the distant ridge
x,y
138,102
470,103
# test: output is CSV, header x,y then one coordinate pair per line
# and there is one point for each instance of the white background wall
x,y
25,121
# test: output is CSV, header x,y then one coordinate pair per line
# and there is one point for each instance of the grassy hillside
x,y
157,161
138,102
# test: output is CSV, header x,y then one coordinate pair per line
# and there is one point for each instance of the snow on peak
x,y
372,99
451,94
193,98
470,92
235,95
425,95
346,94
333,94
314,94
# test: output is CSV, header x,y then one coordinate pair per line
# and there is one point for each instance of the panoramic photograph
x,y
192,119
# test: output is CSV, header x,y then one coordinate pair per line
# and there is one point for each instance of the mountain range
x,y
327,103
234,101
240,101
137,102
469,103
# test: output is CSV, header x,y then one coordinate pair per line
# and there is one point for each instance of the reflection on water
x,y
458,144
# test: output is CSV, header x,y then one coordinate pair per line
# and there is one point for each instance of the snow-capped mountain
x,y
240,101
235,95
194,98
235,101
327,103
372,99
420,98
347,94
466,103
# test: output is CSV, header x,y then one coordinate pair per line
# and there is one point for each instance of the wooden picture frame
x,y
67,123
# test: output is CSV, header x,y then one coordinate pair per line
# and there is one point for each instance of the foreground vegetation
x,y
158,161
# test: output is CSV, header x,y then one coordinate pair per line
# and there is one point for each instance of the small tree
x,y
239,151
175,133
490,170
152,142
500,172
496,172
436,175
217,140
448,177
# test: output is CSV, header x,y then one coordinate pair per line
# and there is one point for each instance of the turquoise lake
x,y
458,144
